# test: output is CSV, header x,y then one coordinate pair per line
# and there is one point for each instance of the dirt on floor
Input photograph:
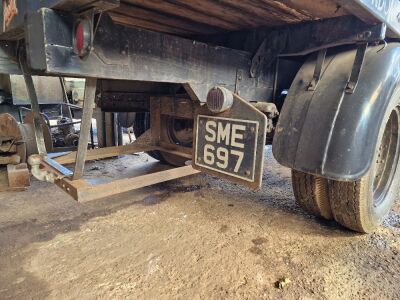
x,y
194,238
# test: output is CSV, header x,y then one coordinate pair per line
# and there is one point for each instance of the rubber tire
x,y
311,192
353,202
141,125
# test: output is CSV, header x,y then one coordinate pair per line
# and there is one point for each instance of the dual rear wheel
x,y
363,204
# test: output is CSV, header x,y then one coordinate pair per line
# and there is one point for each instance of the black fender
x,y
328,132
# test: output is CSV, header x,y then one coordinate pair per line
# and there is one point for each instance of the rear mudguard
x,y
327,132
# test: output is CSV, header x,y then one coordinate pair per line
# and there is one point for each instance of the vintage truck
x,y
211,82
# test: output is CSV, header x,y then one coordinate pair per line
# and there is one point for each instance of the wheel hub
x,y
387,158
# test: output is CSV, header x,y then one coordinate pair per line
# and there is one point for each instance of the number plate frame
x,y
245,164
241,112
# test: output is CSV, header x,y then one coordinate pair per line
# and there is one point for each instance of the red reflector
x,y
79,37
83,37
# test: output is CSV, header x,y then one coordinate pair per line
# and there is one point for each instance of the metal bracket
x,y
357,66
87,113
295,40
267,53
37,125
318,70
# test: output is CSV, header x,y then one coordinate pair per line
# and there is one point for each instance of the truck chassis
x,y
232,84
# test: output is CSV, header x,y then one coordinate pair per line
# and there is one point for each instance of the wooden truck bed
x,y
199,17
184,17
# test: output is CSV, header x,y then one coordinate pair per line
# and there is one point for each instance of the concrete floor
x,y
194,238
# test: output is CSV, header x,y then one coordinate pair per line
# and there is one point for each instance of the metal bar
x,y
64,124
276,78
54,155
318,70
41,146
91,136
72,106
21,119
60,168
355,72
88,103
65,96
115,128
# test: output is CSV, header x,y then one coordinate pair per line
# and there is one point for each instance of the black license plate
x,y
227,146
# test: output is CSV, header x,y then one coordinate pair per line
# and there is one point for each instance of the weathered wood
x,y
185,12
175,149
108,152
318,9
134,21
182,17
102,153
132,15
80,190
231,14
274,13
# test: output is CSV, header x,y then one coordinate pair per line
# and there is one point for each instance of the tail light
x,y
83,37
219,99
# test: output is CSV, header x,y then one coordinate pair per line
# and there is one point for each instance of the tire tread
x,y
311,192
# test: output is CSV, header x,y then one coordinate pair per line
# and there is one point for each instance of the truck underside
x,y
214,81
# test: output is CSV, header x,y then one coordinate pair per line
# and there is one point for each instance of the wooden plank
x,y
178,150
226,14
145,24
136,16
75,4
184,12
82,191
108,152
317,9
276,12
230,13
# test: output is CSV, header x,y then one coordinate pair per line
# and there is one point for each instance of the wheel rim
x,y
387,158
180,131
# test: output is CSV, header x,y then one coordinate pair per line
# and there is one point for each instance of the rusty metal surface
x,y
210,16
18,176
11,137
51,170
